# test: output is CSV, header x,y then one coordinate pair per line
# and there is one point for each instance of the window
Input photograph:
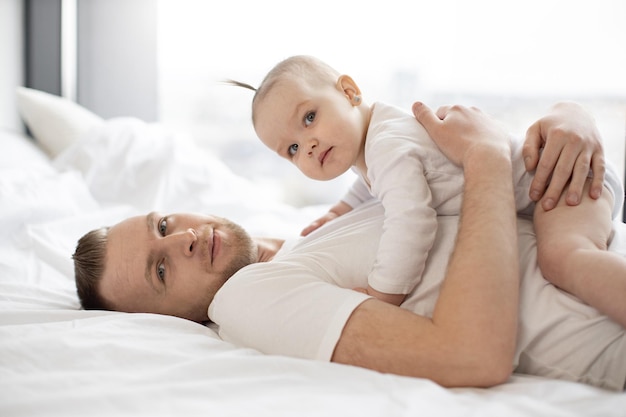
x,y
510,58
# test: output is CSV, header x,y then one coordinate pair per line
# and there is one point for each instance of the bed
x,y
83,172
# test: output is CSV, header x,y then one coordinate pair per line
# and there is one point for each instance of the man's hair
x,y
89,259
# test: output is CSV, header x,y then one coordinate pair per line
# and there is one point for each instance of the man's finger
x,y
598,167
426,117
543,172
580,173
531,147
561,175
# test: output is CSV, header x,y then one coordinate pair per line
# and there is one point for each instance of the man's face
x,y
172,264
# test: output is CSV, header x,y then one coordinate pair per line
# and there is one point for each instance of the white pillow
x,y
145,165
19,153
54,122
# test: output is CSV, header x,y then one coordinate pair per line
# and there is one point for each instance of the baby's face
x,y
316,128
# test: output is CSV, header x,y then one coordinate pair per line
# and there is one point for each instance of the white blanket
x,y
56,359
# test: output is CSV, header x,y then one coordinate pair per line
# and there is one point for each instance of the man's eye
x,y
308,119
161,271
163,226
293,149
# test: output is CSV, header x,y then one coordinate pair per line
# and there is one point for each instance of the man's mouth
x,y
214,245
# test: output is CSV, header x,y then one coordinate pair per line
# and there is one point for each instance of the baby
x,y
310,114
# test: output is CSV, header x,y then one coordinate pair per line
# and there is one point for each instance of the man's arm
x,y
471,338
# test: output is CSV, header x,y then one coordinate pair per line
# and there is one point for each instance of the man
x,y
458,328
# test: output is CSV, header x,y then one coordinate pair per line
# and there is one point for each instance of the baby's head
x,y
310,114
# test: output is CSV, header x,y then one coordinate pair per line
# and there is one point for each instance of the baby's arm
x,y
395,299
398,179
356,195
335,211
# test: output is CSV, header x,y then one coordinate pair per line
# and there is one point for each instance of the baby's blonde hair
x,y
304,67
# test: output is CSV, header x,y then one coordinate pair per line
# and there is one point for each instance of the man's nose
x,y
184,241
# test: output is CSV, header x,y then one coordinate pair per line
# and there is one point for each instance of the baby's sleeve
x,y
358,194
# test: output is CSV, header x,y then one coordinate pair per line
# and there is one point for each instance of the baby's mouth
x,y
324,154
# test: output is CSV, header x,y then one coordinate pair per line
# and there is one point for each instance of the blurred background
x,y
163,61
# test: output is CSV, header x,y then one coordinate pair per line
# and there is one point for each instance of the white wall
x,y
12,68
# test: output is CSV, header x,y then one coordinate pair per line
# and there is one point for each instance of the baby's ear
x,y
348,87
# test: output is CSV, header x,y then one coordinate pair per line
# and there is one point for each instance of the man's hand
x,y
564,145
458,130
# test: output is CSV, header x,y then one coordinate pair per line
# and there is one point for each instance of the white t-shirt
x,y
298,304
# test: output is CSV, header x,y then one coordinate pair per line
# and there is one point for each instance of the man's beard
x,y
242,246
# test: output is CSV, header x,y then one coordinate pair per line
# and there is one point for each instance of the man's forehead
x,y
126,255
134,221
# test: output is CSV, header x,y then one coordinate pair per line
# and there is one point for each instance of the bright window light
x,y
397,50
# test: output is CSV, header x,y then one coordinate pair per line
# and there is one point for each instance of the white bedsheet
x,y
56,359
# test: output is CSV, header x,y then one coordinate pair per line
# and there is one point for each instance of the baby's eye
x,y
308,119
293,149
163,226
161,271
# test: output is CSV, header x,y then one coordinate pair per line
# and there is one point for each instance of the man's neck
x,y
267,248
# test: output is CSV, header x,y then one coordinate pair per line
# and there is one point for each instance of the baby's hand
x,y
395,299
316,224
335,211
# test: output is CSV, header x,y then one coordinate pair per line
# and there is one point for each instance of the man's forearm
x,y
482,279
470,340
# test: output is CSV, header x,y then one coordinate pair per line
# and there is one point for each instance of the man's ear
x,y
349,88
